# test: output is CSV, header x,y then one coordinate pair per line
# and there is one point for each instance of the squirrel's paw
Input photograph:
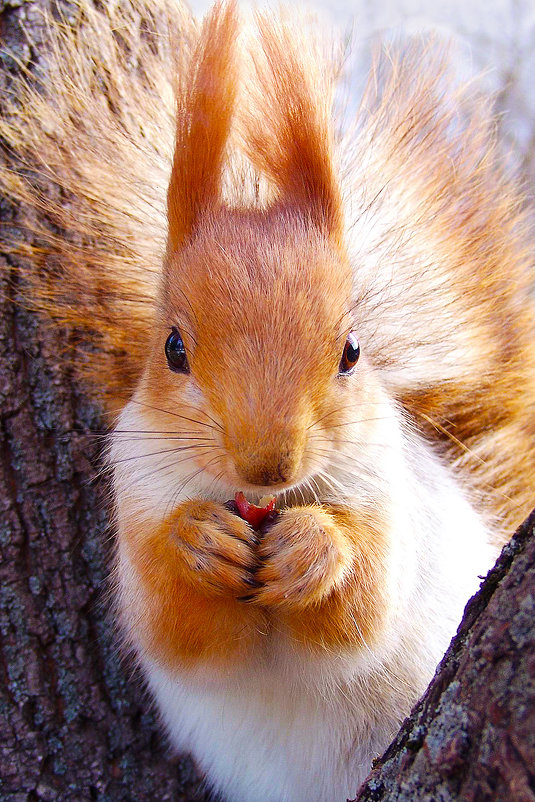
x,y
216,548
304,556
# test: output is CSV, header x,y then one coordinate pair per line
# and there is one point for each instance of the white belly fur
x,y
303,726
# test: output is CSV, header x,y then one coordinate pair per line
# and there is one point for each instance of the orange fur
x,y
289,135
321,582
323,575
88,140
192,569
250,283
205,103
99,275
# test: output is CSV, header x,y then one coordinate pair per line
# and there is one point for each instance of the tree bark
x,y
472,735
76,724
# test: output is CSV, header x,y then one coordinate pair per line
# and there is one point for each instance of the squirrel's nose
x,y
268,474
267,471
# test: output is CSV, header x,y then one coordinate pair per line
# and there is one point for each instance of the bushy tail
x,y
443,265
88,141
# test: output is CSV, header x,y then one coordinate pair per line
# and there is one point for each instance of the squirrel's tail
x,y
442,247
88,138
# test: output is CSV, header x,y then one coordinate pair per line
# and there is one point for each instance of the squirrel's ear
x,y
288,133
205,103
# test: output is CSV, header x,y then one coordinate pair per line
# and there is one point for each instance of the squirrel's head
x,y
256,336
254,348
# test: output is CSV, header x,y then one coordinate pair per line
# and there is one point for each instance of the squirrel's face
x,y
255,349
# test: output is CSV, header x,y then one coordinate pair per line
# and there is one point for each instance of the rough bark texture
x,y
472,736
76,723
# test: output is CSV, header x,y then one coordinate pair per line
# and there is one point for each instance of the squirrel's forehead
x,y
233,305
241,283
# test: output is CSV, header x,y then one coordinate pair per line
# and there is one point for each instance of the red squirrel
x,y
267,306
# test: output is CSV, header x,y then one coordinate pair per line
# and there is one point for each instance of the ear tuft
x,y
289,132
206,96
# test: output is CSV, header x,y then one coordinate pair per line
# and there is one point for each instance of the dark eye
x,y
351,354
176,353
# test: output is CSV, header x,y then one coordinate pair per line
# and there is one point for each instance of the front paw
x,y
216,549
304,557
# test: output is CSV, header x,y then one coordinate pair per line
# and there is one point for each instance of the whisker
x,y
317,491
210,462
214,481
173,414
363,420
166,439
312,485
174,496
168,467
332,452
151,431
203,412
374,404
177,450
336,487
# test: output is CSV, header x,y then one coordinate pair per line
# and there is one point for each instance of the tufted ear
x,y
288,134
205,104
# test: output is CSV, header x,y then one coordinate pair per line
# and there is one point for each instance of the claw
x,y
268,522
252,582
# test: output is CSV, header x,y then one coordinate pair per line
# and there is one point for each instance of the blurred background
x,y
493,40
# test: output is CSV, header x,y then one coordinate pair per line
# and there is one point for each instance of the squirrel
x,y
266,304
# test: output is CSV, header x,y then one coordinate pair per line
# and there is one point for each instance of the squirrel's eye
x,y
351,354
176,353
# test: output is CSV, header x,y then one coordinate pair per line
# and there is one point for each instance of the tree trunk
x,y
472,735
77,724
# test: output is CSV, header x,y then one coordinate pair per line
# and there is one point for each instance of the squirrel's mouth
x,y
255,514
266,499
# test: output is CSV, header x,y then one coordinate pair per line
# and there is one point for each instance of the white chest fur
x,y
297,725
